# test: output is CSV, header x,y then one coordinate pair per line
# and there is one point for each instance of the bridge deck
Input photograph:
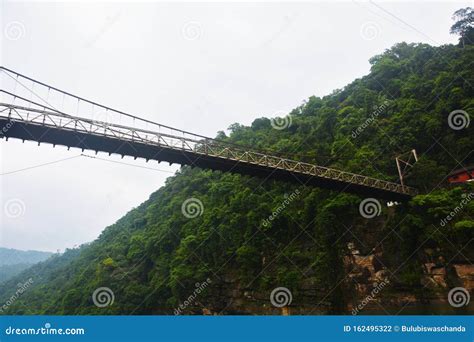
x,y
46,125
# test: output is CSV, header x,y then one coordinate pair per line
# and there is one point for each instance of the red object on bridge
x,y
462,175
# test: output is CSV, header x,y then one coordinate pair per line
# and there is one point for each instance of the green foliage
x,y
153,257
464,25
426,174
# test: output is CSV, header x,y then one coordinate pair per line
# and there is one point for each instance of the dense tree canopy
x,y
153,257
464,25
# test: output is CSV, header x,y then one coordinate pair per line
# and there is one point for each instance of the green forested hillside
x,y
153,257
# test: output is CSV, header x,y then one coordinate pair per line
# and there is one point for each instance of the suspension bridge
x,y
34,111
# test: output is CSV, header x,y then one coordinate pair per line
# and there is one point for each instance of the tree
x,y
153,257
464,25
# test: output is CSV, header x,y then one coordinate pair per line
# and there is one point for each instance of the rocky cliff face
x,y
368,285
371,282
370,278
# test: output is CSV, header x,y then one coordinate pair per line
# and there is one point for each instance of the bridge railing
x,y
23,91
25,99
191,144
94,127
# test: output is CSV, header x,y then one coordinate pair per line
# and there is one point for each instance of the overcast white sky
x,y
199,67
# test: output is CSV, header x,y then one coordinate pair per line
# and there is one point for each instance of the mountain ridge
x,y
13,261
318,245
